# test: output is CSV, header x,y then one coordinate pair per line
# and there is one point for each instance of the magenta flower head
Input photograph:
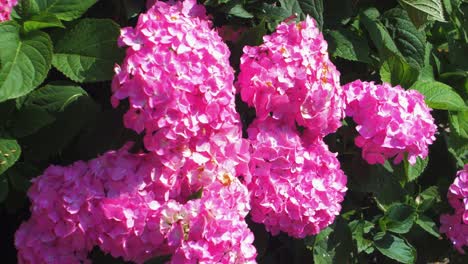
x,y
176,76
106,202
5,9
123,204
391,122
291,77
455,226
218,232
297,185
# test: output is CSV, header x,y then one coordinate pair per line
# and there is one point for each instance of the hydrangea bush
x,y
214,131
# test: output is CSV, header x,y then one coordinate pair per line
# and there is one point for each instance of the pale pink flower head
x,y
297,185
291,77
176,76
5,9
456,226
391,122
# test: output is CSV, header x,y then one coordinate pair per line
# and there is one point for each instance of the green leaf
x,y
395,248
396,71
333,244
459,122
417,17
378,33
42,105
239,11
66,10
399,218
51,139
42,21
427,198
292,6
24,60
458,80
10,151
433,8
54,97
29,120
385,188
301,8
426,74
3,188
358,229
458,147
439,96
428,225
414,171
88,50
348,45
409,40
196,195
271,14
314,8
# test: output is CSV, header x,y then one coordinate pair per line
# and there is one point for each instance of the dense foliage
x,y
226,88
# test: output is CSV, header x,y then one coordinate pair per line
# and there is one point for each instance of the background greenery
x,y
56,63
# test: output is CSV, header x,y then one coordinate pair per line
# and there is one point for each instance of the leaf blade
x,y
25,60
86,54
395,248
10,151
439,95
433,8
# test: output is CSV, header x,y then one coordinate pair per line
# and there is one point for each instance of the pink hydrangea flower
x,y
391,122
219,233
179,83
5,9
456,226
291,77
118,202
176,76
104,202
297,185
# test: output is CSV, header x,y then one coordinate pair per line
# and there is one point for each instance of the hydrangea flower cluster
x,y
179,84
297,184
456,226
5,9
291,77
115,202
176,77
391,122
